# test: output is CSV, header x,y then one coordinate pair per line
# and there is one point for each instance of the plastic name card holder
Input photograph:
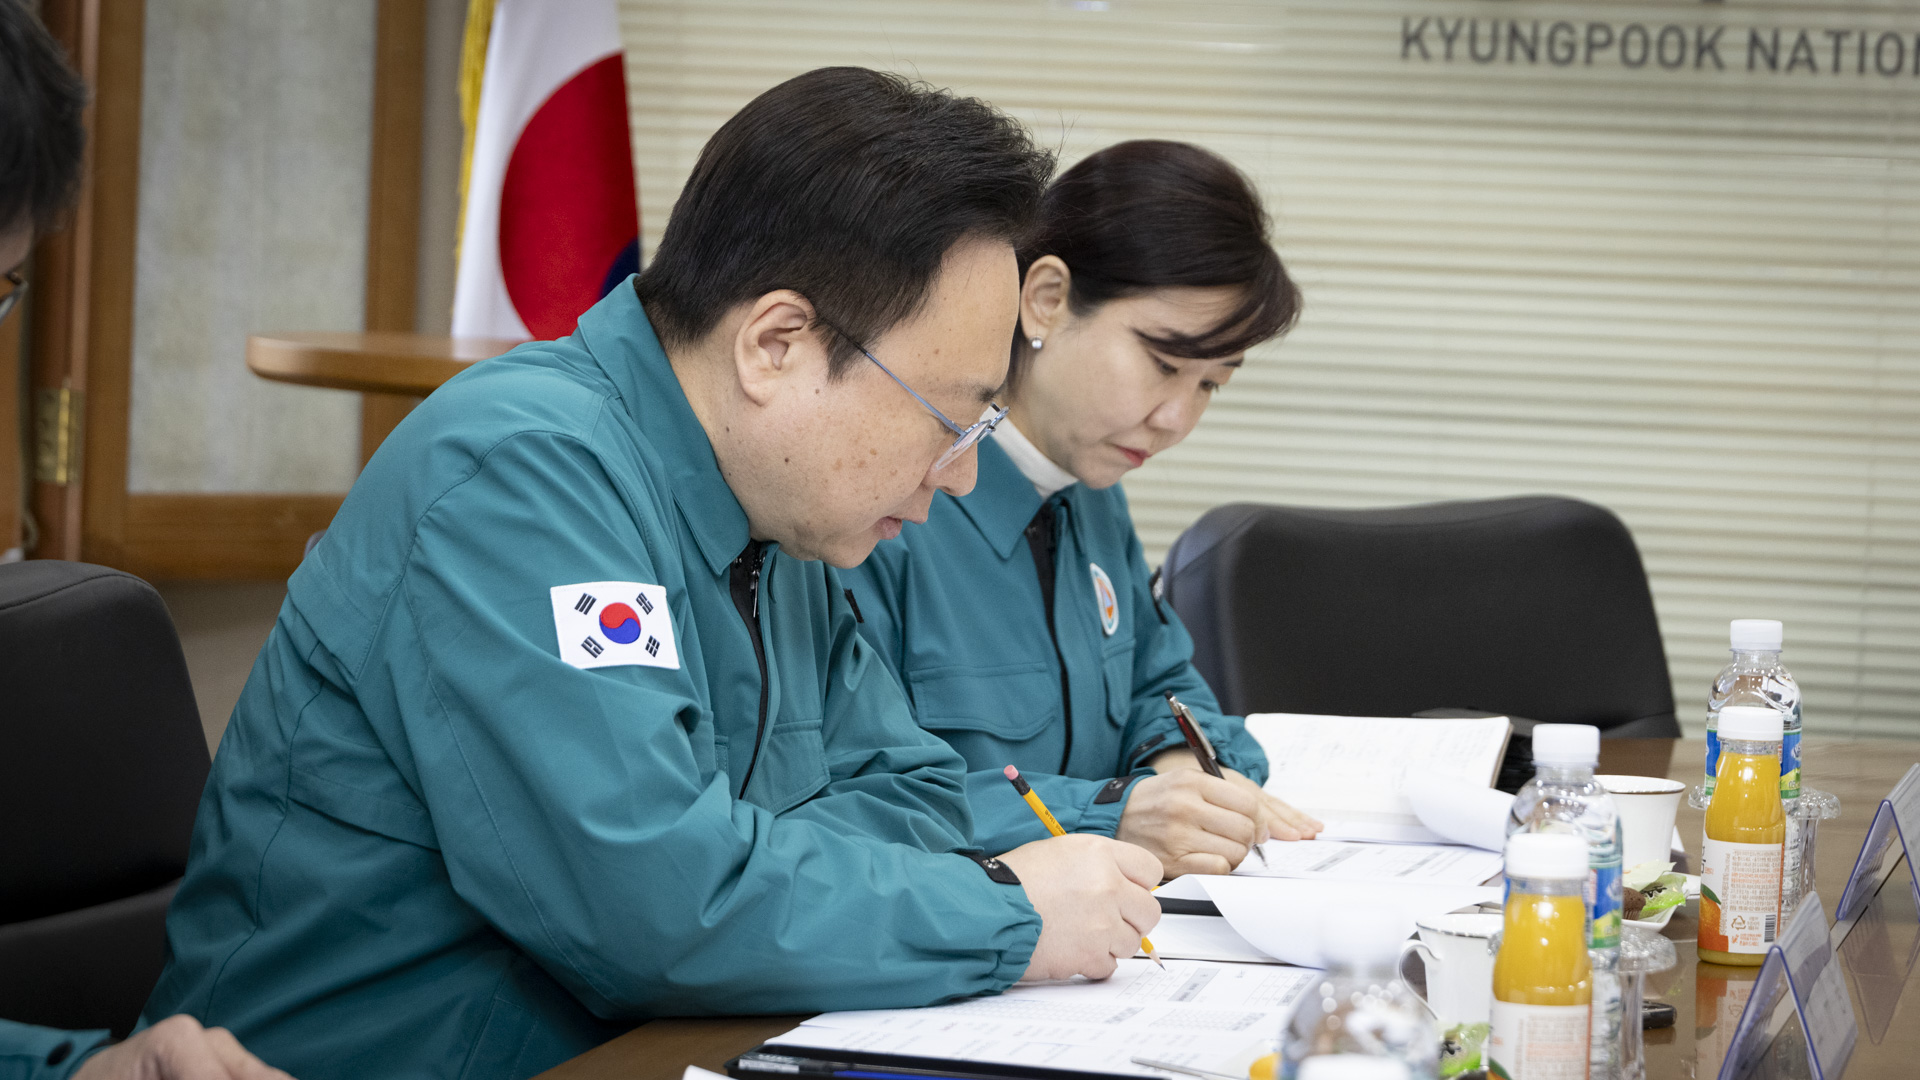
x,y
1898,815
1804,957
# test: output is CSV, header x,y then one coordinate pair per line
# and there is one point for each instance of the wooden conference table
x,y
1878,956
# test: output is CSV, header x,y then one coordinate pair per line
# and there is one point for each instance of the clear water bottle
x,y
1563,796
1755,676
1360,1008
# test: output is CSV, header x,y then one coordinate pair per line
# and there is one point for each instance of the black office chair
x,y
1534,607
102,761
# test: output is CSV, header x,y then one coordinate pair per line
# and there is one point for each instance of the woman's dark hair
x,y
1151,214
848,186
41,136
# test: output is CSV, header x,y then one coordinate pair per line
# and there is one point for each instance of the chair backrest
x,y
102,761
1535,606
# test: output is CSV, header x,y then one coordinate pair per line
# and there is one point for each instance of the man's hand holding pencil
x,y
1102,888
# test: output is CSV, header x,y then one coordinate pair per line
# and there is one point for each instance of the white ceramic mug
x,y
1458,953
1647,806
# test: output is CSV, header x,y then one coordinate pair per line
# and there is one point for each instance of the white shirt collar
x,y
1037,467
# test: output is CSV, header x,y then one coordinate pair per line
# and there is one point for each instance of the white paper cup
x,y
1458,953
1647,805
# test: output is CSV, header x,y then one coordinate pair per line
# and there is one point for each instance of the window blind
x,y
1672,270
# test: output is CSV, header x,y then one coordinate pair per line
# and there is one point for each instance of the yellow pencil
x,y
1046,818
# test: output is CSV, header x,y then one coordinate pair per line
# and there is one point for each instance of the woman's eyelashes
x,y
1209,385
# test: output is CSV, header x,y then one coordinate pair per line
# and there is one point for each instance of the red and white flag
x,y
551,222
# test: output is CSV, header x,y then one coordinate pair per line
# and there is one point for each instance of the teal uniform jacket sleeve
x,y
577,816
1002,820
37,1053
1163,663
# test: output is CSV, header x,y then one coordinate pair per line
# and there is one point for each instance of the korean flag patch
x,y
611,623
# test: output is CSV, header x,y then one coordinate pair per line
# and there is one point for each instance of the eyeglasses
x,y
7,302
964,438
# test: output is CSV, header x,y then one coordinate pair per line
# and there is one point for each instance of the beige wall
x,y
255,143
255,138
1688,292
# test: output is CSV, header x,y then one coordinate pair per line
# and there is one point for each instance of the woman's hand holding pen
x,y
1191,822
1278,821
1095,900
1196,824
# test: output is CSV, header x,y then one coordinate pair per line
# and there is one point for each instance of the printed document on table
x,y
1349,771
1197,1013
1343,860
1285,918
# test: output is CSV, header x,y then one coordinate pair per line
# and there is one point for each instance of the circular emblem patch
x,y
1105,599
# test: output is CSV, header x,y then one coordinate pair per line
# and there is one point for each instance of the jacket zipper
x,y
1043,538
744,583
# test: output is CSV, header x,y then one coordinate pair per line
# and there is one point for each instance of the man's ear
x,y
773,344
1043,296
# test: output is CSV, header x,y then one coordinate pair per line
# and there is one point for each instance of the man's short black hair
x,y
41,137
848,186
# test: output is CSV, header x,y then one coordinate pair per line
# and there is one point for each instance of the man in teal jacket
x,y
984,674
558,729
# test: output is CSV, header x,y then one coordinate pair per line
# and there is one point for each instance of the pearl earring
x,y
1037,343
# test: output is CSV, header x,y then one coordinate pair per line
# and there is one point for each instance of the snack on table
x,y
1651,888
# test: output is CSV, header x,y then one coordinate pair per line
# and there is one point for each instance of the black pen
x,y
1202,749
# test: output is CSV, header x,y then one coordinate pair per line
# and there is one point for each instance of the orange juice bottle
x,y
1745,848
1542,979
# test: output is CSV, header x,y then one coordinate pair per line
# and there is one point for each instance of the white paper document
x,y
1345,860
1204,937
1350,771
1283,917
1461,812
1205,1015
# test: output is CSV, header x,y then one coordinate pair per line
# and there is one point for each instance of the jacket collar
x,y
617,334
1002,500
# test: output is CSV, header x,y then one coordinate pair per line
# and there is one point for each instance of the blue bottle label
x,y
1790,765
1713,756
1603,903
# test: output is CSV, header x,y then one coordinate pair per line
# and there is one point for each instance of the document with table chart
x,y
1196,1013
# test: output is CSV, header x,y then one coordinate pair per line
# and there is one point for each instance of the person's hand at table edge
x,y
177,1048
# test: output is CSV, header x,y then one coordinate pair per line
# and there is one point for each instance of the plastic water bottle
x,y
1755,676
1360,1008
1563,796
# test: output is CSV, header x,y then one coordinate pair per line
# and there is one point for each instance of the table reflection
x,y
1879,955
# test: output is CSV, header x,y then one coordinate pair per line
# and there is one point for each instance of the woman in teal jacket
x,y
1022,619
